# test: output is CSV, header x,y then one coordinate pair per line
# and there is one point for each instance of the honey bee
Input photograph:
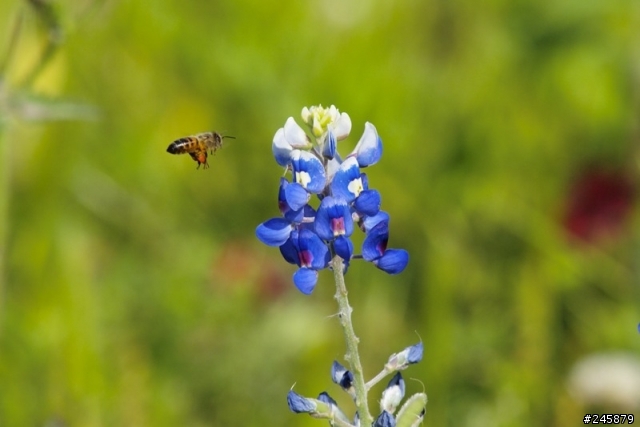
x,y
198,145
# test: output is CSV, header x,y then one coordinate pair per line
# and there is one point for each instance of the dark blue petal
x,y
369,149
329,147
385,419
294,216
341,376
299,404
296,196
333,219
290,252
305,280
337,371
308,171
375,244
393,261
324,397
309,213
365,180
282,201
368,202
343,247
371,221
346,183
274,232
312,250
397,381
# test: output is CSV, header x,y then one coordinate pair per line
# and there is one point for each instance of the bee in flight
x,y
198,145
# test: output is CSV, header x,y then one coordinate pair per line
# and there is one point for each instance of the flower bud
x,y
406,357
393,394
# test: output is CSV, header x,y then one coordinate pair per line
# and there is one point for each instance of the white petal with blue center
x,y
308,171
346,183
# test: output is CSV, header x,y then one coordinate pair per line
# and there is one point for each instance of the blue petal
x,y
289,251
308,171
296,196
346,183
337,371
368,202
365,180
371,221
274,232
329,147
369,149
385,419
375,244
294,216
309,213
282,201
299,404
343,247
313,252
305,280
415,353
324,397
341,376
333,219
393,261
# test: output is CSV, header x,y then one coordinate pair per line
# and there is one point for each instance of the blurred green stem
x,y
352,342
4,223
45,12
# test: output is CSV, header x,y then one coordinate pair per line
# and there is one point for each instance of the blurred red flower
x,y
599,202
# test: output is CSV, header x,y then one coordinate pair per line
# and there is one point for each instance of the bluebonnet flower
x,y
310,238
300,404
343,377
322,407
393,394
411,413
408,356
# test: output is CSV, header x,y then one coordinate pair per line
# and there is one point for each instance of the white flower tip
x,y
305,114
342,127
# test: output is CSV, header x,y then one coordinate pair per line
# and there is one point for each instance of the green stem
x,y
352,356
375,380
4,208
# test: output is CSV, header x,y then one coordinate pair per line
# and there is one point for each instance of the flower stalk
x,y
352,356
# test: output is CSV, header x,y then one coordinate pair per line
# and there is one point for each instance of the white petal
x,y
294,134
342,127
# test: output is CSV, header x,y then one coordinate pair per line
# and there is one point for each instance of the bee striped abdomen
x,y
183,145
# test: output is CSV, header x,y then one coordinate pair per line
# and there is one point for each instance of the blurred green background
x,y
134,293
